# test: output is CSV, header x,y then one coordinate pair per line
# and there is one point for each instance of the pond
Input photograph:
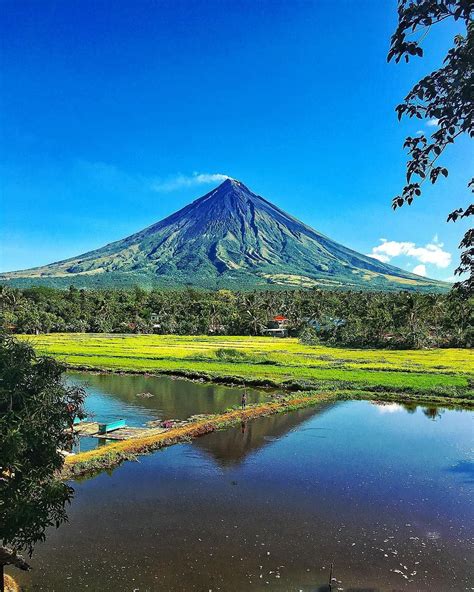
x,y
139,399
382,492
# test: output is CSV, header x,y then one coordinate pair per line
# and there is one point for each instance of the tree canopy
x,y
376,319
445,96
36,407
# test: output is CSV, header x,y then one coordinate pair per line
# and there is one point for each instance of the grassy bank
x,y
283,363
110,456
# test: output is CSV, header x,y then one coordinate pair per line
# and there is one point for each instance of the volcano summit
x,y
229,238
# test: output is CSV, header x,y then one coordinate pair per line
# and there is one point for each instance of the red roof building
x,y
277,327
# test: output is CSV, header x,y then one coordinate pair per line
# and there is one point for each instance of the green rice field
x,y
286,363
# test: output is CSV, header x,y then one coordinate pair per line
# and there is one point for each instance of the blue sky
x,y
114,115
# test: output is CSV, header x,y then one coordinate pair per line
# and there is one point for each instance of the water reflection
x,y
121,395
233,445
139,399
432,412
382,496
112,396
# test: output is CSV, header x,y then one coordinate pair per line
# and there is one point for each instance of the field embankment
x,y
107,457
438,375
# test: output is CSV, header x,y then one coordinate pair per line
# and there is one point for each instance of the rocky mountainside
x,y
229,238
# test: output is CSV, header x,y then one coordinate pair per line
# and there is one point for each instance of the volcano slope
x,y
229,238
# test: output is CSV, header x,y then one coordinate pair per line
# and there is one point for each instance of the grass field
x,y
441,373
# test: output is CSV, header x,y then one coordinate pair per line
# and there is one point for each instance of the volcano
x,y
229,238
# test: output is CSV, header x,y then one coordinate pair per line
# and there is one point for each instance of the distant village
x,y
277,326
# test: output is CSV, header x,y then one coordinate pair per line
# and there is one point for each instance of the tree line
x,y
359,319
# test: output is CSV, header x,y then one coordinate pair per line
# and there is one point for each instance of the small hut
x,y
277,327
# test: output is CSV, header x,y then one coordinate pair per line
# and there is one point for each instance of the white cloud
x,y
180,181
432,122
431,253
110,177
420,270
379,257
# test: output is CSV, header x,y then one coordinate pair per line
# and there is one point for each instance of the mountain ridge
x,y
228,238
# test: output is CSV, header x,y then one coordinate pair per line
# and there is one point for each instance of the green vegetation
x,y
356,319
281,363
445,95
35,407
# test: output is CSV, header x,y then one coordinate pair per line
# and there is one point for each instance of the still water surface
x,y
383,492
118,396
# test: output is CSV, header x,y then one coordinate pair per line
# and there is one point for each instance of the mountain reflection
x,y
232,446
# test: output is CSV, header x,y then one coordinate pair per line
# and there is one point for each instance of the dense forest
x,y
360,319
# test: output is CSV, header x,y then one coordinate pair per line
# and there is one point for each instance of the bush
x,y
308,336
